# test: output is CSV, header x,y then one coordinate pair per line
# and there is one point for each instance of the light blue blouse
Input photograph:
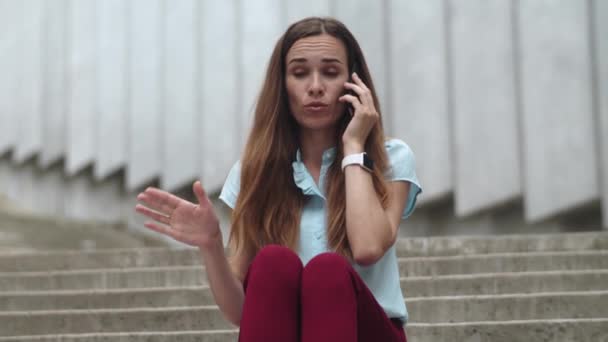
x,y
382,278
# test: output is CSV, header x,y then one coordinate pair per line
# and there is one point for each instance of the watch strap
x,y
360,159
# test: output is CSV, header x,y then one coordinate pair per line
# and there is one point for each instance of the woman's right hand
x,y
193,224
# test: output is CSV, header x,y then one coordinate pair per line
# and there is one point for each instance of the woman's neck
x,y
313,143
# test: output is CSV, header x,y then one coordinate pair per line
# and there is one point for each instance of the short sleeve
x,y
230,190
403,168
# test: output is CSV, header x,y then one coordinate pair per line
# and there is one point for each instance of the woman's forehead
x,y
319,47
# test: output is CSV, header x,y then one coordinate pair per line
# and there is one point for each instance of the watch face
x,y
367,162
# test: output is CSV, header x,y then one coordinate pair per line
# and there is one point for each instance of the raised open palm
x,y
193,224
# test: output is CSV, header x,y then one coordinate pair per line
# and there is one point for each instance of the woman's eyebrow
x,y
324,60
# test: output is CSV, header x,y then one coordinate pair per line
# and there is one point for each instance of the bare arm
x,y
197,225
371,229
225,281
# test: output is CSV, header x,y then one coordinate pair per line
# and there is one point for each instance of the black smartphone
x,y
349,107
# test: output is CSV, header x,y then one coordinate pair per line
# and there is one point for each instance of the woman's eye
x,y
299,74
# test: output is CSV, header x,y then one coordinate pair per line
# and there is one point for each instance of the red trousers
x,y
326,301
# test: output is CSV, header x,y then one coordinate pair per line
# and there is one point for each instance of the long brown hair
x,y
269,203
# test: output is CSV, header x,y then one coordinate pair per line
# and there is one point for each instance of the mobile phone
x,y
349,106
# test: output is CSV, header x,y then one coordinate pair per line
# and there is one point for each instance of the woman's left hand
x,y
364,117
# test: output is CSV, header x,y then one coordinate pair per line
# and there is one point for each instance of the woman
x,y
317,199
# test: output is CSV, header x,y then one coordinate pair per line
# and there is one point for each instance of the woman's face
x,y
316,69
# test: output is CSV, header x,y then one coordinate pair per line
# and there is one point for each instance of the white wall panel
x,y
180,117
37,190
145,139
6,176
48,190
600,13
9,23
297,10
82,86
560,165
29,94
87,199
261,25
366,20
112,84
419,92
55,96
484,105
219,114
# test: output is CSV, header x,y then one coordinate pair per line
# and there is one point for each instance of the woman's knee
x,y
327,270
277,262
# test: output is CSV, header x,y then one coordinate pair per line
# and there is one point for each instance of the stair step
x,y
17,323
503,262
107,258
408,267
511,243
104,278
405,247
451,285
504,283
452,309
554,330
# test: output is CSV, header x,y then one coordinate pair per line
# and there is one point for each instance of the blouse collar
x,y
302,177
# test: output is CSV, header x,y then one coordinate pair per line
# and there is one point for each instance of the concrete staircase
x,y
501,288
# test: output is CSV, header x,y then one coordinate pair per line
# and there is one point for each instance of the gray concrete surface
x,y
467,288
405,247
196,292
560,330
559,163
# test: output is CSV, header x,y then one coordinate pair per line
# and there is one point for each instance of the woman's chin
x,y
318,123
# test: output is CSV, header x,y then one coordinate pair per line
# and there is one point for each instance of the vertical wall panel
x,y
261,26
87,199
112,74
29,94
365,19
180,150
55,82
39,190
145,139
418,82
484,105
218,133
9,22
600,13
48,190
5,177
82,113
560,162
297,10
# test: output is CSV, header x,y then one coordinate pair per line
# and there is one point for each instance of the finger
x,y
152,204
162,199
367,94
362,93
201,196
152,214
359,82
353,100
356,88
163,230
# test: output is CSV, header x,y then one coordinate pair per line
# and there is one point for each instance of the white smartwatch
x,y
360,159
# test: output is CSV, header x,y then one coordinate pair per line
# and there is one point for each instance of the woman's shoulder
x,y
232,185
400,157
395,146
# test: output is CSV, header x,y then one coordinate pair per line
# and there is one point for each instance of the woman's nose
x,y
316,87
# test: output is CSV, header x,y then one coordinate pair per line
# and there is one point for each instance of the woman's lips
x,y
315,108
